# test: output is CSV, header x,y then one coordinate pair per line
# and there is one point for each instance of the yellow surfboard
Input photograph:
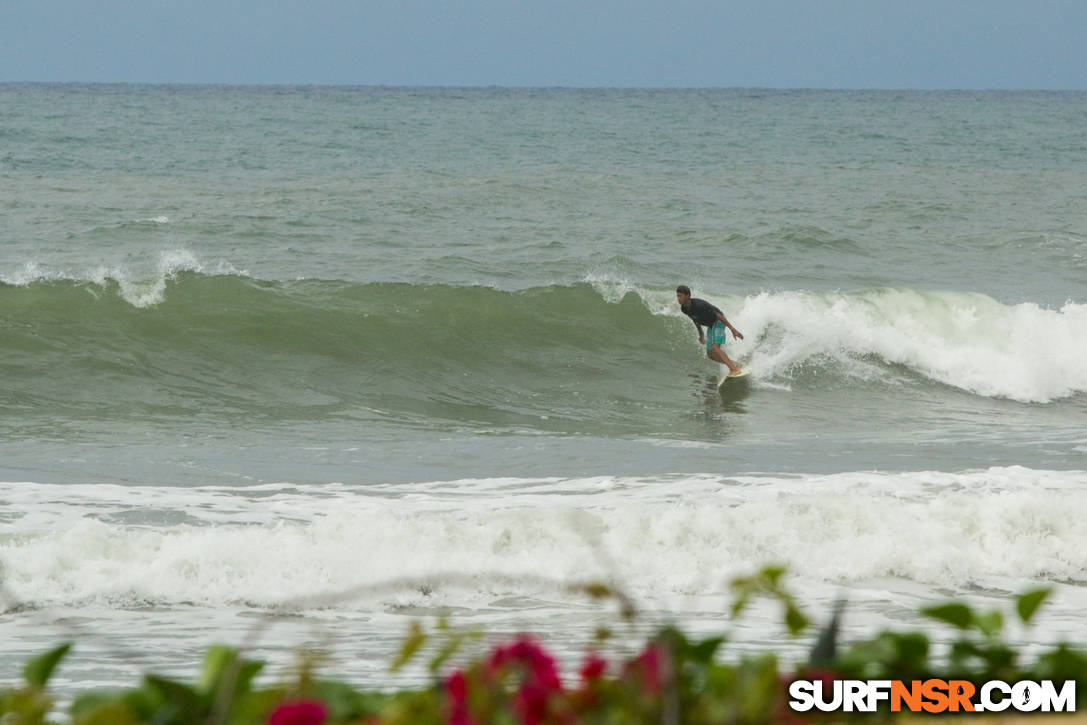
x,y
734,378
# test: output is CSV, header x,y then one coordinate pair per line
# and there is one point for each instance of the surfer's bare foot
x,y
734,372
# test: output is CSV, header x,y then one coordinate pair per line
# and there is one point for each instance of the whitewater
x,y
353,358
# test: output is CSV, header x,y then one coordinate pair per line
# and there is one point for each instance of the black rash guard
x,y
702,312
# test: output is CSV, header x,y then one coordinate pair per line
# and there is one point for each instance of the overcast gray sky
x,y
1038,44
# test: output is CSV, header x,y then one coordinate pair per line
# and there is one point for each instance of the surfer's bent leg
x,y
716,353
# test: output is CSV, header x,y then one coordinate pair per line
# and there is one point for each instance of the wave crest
x,y
969,341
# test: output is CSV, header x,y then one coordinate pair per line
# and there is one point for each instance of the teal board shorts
x,y
716,335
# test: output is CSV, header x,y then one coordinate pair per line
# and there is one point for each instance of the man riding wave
x,y
706,315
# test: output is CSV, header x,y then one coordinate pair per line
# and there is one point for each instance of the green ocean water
x,y
308,324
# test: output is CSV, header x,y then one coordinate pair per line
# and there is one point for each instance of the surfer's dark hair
x,y
684,290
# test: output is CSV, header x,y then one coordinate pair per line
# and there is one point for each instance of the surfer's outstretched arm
x,y
735,333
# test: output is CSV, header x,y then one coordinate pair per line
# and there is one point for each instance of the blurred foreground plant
x,y
672,678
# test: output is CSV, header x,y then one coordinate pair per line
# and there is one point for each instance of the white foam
x,y
29,273
664,538
139,288
146,293
613,290
1023,352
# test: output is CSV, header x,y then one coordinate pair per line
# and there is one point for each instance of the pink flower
x,y
649,665
303,712
531,703
456,686
541,677
593,668
538,664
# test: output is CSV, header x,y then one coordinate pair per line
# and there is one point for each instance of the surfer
x,y
705,314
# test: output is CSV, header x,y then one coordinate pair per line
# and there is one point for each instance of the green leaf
x,y
409,647
101,707
773,575
766,582
39,669
705,650
217,661
343,701
954,613
453,644
889,655
246,674
739,603
911,650
597,590
181,701
226,677
1062,663
989,624
1028,602
1000,658
795,620
445,653
673,638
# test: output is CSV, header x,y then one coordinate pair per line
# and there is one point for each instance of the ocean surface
x,y
291,367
